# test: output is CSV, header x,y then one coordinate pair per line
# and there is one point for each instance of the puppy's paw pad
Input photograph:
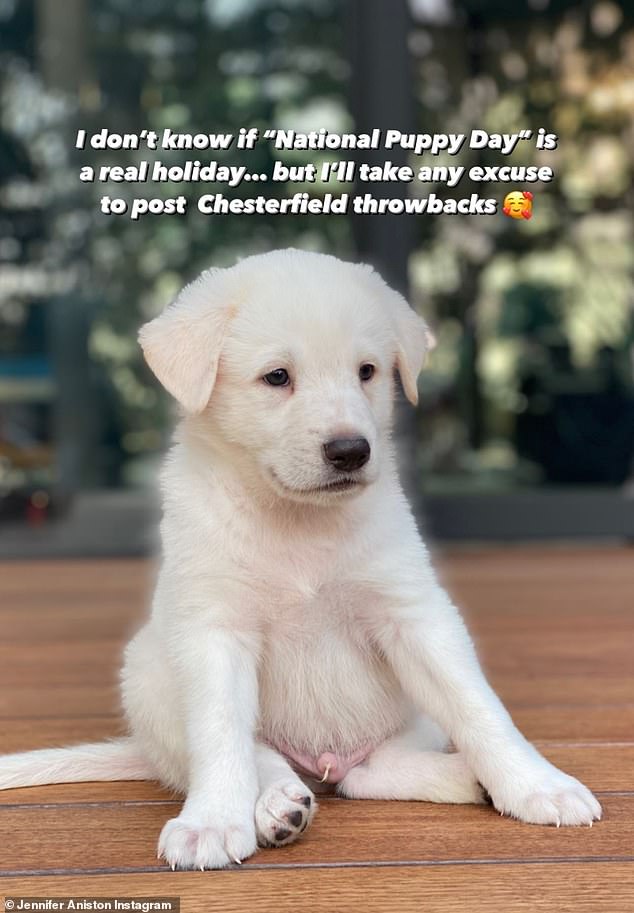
x,y
283,812
189,845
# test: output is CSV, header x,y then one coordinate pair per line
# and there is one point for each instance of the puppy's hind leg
x,y
404,768
285,806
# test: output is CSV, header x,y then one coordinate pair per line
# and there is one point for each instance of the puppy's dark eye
x,y
277,378
366,372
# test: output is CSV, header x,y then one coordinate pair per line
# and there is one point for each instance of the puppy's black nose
x,y
347,453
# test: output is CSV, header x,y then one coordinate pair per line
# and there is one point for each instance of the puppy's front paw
x,y
283,812
187,844
551,797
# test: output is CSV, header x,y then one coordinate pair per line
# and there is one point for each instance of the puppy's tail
x,y
117,759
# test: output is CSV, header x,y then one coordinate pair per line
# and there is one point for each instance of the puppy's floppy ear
x,y
414,339
182,346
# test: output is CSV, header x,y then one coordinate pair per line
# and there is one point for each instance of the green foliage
x,y
502,295
190,65
504,291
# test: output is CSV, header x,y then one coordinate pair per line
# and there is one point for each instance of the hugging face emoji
x,y
518,204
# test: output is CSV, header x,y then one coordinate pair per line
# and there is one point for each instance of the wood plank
x,y
592,689
46,700
68,692
502,608
87,662
600,767
31,615
561,888
525,655
569,652
93,576
607,568
53,732
28,625
609,564
553,708
553,627
123,837
491,609
131,792
604,768
534,670
603,722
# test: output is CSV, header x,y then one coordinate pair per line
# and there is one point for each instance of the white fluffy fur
x,y
287,612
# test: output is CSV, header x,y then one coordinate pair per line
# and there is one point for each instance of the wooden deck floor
x,y
555,632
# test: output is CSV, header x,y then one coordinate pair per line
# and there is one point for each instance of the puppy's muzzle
x,y
347,454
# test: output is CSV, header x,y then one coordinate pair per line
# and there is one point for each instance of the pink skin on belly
x,y
328,767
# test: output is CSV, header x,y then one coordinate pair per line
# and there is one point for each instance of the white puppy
x,y
298,633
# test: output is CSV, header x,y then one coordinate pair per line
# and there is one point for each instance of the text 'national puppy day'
x,y
305,174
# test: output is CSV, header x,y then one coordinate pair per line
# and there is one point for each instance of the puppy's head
x,y
287,360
